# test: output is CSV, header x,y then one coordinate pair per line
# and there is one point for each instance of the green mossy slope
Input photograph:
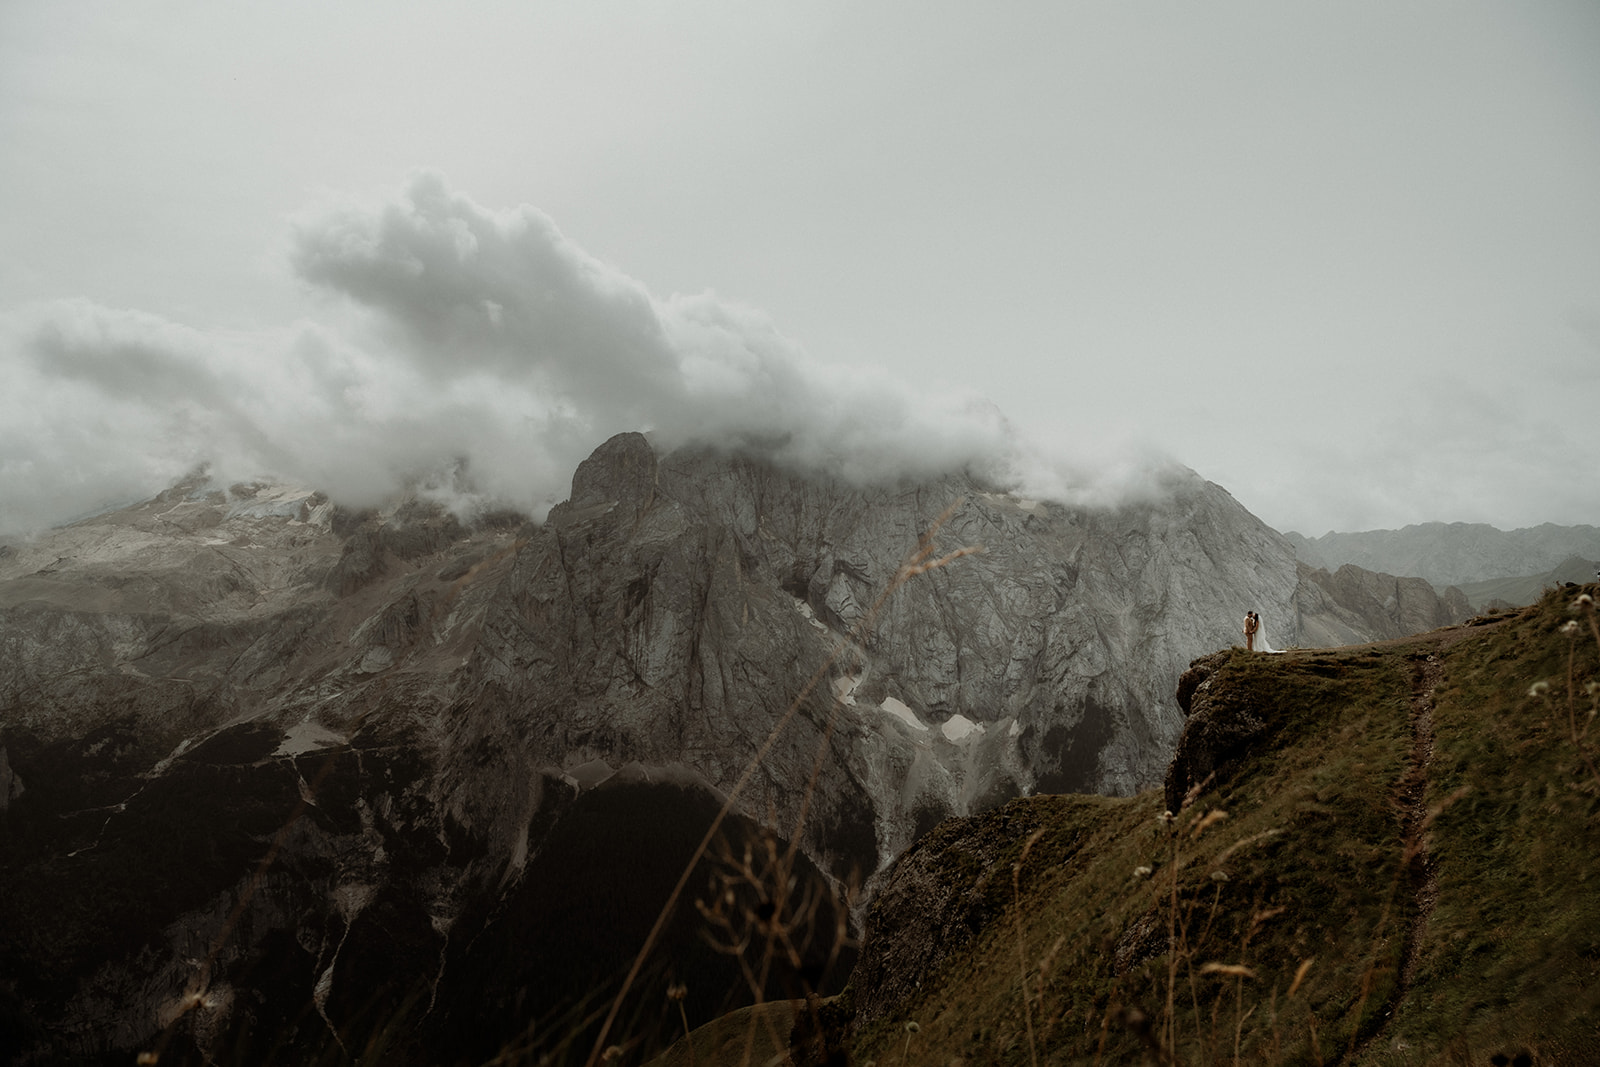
x,y
1407,872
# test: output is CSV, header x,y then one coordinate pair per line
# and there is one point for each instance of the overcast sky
x,y
1341,258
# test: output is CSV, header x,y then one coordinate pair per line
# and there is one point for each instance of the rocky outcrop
x,y
1224,726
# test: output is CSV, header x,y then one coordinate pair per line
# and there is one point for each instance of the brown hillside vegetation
x,y
1392,857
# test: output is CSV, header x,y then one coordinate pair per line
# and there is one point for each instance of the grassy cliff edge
x,y
1393,858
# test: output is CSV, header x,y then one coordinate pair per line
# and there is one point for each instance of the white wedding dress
x,y
1262,644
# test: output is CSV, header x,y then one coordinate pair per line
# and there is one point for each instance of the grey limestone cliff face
x,y
677,603
271,771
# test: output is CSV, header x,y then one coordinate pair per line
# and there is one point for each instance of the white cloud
x,y
1188,222
481,341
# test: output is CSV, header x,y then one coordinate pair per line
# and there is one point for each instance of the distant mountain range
x,y
1485,563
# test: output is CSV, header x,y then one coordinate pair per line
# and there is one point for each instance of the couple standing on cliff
x,y
1255,635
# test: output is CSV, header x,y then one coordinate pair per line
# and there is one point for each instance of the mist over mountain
x,y
479,355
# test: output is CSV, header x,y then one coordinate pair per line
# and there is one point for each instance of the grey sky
x,y
1343,259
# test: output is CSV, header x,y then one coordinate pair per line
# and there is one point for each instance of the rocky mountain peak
x,y
623,469
423,712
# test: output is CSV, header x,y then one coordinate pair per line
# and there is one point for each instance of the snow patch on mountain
x,y
958,728
902,711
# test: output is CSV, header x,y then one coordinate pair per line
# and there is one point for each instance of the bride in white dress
x,y
1262,644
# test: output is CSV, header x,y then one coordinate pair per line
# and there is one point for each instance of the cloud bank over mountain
x,y
482,350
